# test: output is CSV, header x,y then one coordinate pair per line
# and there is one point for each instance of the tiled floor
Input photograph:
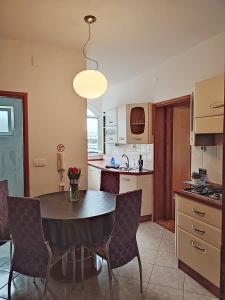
x,y
162,279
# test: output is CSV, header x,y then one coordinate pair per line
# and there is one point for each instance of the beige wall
x,y
176,77
56,113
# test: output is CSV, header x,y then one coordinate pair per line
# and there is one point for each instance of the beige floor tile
x,y
147,255
158,292
192,286
83,295
131,271
192,296
166,259
168,235
167,246
97,284
148,242
167,277
127,289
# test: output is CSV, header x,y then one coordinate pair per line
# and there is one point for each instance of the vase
x,y
74,190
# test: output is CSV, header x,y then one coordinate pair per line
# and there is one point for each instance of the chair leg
x,y
140,270
64,263
10,251
82,266
46,279
110,280
74,263
9,283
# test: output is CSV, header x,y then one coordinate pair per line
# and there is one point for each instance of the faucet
x,y
128,161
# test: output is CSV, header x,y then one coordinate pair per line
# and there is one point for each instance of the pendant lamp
x,y
90,83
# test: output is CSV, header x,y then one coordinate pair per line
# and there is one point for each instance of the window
x,y
94,133
6,120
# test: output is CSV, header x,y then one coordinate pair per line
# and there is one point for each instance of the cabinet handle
x,y
138,139
125,179
195,228
217,105
200,213
121,139
193,244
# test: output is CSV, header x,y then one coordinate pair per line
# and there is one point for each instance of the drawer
x,y
200,229
199,255
202,212
209,125
128,183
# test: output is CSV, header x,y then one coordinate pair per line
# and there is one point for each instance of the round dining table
x,y
87,220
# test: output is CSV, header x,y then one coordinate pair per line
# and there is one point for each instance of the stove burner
x,y
208,191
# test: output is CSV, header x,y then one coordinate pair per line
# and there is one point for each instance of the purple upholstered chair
x,y
32,254
110,182
4,224
121,246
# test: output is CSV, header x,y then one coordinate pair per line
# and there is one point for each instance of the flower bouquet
x,y
74,177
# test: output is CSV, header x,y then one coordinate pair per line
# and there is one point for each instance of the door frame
x,y
24,98
163,151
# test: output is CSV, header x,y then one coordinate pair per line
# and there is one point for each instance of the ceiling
x,y
129,37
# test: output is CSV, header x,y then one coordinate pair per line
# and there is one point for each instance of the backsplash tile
x,y
132,151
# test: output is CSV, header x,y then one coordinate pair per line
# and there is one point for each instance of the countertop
x,y
100,164
199,198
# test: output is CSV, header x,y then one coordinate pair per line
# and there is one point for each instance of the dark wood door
x,y
171,152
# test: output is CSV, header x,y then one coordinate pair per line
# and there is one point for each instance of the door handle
x,y
200,213
195,228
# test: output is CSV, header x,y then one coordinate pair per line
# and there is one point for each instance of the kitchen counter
x,y
100,164
199,198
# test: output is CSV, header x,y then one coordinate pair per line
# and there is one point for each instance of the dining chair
x,y
121,246
32,254
4,224
110,182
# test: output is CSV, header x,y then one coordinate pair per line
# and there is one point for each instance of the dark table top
x,y
90,204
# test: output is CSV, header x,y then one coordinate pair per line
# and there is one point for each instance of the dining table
x,y
66,223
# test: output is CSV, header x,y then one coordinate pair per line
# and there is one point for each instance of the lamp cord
x,y
84,47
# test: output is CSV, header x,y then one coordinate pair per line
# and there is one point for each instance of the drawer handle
x,y
195,228
193,244
217,105
138,139
200,213
121,139
126,179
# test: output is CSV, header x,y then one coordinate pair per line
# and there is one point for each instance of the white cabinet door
x,y
111,135
209,97
94,177
111,118
145,183
122,123
137,123
128,183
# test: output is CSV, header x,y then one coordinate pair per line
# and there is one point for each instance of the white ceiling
x,y
129,36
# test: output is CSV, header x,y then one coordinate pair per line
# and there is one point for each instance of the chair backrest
x,y
123,244
110,182
4,225
30,252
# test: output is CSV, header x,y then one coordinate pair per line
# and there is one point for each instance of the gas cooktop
x,y
212,192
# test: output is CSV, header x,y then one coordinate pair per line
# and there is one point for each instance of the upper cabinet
x,y
209,97
209,105
111,118
133,125
137,123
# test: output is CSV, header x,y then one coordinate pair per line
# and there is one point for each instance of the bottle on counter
x,y
140,163
113,161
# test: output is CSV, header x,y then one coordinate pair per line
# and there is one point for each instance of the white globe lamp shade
x,y
90,84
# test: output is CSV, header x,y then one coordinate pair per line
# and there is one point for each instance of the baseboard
x,y
145,218
199,278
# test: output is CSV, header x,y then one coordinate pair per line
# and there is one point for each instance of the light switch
x,y
39,162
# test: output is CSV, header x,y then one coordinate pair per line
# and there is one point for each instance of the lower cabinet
x,y
198,237
94,177
128,183
145,183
